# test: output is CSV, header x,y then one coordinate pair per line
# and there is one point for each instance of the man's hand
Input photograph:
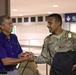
x,y
74,67
21,55
29,56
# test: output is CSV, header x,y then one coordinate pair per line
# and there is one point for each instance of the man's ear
x,y
59,23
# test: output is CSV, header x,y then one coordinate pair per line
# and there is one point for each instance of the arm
x,y
44,57
74,67
10,60
14,61
74,45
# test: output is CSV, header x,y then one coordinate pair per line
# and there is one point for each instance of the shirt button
x,y
11,46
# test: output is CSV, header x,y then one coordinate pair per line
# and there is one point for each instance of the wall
x,y
4,7
34,30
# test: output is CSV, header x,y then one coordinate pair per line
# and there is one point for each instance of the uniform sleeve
x,y
44,57
74,41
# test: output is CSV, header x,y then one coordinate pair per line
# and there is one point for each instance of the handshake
x,y
27,56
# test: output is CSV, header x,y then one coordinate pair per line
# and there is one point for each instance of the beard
x,y
51,31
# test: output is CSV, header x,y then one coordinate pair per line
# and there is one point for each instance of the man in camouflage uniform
x,y
59,41
66,41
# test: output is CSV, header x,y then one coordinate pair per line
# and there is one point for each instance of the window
x,y
40,18
33,19
14,20
19,20
26,19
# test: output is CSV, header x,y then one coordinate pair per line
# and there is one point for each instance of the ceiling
x,y
34,7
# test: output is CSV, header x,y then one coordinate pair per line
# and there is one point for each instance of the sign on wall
x,y
70,17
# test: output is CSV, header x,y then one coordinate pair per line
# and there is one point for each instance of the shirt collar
x,y
3,35
59,36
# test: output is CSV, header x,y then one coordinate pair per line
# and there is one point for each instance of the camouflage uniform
x,y
66,41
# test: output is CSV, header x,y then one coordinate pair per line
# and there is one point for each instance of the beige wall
x,y
32,32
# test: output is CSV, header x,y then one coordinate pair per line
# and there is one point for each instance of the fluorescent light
x,y
55,5
49,12
14,10
20,14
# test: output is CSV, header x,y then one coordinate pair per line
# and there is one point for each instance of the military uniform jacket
x,y
66,41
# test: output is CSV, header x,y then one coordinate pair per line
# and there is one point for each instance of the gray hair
x,y
3,18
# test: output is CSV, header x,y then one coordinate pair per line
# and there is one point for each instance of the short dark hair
x,y
2,19
56,16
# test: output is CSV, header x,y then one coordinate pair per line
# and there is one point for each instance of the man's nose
x,y
48,25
